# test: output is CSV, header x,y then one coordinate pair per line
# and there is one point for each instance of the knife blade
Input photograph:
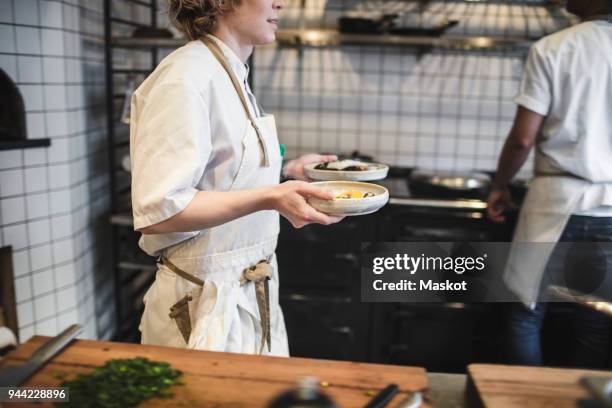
x,y
16,375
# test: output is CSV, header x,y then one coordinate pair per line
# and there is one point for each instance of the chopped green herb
x,y
121,383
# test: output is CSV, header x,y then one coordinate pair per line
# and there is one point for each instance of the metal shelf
x,y
124,220
129,42
327,38
475,205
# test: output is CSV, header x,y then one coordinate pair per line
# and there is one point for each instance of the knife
x,y
16,375
383,397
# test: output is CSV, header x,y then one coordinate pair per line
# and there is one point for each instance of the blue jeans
x,y
592,331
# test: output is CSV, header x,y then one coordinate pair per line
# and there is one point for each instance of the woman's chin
x,y
267,39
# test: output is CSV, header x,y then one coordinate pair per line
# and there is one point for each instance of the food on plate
x,y
344,165
354,194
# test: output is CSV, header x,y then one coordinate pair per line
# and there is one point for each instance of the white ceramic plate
x,y
350,206
376,172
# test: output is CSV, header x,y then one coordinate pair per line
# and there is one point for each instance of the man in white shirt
x,y
565,111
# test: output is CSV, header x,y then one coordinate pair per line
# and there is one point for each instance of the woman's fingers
x,y
328,157
308,190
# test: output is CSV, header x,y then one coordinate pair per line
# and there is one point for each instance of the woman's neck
x,y
232,40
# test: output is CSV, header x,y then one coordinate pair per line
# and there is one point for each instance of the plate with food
x,y
351,198
349,170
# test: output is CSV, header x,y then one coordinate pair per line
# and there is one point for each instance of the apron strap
x,y
191,278
259,274
218,54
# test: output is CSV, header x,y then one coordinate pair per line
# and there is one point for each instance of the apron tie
x,y
260,274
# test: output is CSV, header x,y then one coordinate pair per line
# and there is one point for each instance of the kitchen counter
x,y
227,379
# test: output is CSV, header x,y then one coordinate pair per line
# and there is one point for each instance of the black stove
x,y
413,216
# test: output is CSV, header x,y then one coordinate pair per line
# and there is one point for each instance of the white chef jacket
x,y
187,120
568,79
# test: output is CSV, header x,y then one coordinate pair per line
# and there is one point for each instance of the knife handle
x,y
51,347
384,397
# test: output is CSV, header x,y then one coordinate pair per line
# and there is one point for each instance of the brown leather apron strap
x,y
191,278
259,274
218,54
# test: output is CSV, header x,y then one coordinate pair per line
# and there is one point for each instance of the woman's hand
x,y
289,199
295,168
499,201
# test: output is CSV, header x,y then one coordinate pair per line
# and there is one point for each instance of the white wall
x,y
439,109
54,201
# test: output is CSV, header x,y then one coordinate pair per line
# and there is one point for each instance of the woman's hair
x,y
196,18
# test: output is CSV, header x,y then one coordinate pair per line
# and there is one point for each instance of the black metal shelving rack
x,y
132,272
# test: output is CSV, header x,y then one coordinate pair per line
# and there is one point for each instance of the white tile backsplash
x,y
66,318
47,327
65,275
57,124
42,282
7,38
25,333
44,306
30,69
25,314
52,42
35,179
11,182
59,175
54,70
66,298
55,97
8,63
28,40
26,11
16,236
6,11
21,262
35,122
60,201
63,250
23,289
51,14
39,232
13,210
35,156
41,257
32,97
58,151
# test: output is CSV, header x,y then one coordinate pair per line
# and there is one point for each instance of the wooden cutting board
x,y
225,379
516,386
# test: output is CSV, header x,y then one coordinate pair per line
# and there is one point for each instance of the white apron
x,y
224,314
549,204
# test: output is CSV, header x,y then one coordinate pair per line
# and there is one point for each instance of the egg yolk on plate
x,y
353,194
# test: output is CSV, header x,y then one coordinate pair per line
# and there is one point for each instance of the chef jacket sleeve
x,y
170,146
535,91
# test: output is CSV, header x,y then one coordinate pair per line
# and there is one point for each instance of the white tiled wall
x,y
53,50
438,109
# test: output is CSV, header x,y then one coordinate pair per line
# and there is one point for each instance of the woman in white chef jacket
x,y
564,110
205,186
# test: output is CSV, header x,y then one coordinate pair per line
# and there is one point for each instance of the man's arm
x,y
516,149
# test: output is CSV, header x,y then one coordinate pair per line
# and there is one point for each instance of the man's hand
x,y
499,201
295,168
